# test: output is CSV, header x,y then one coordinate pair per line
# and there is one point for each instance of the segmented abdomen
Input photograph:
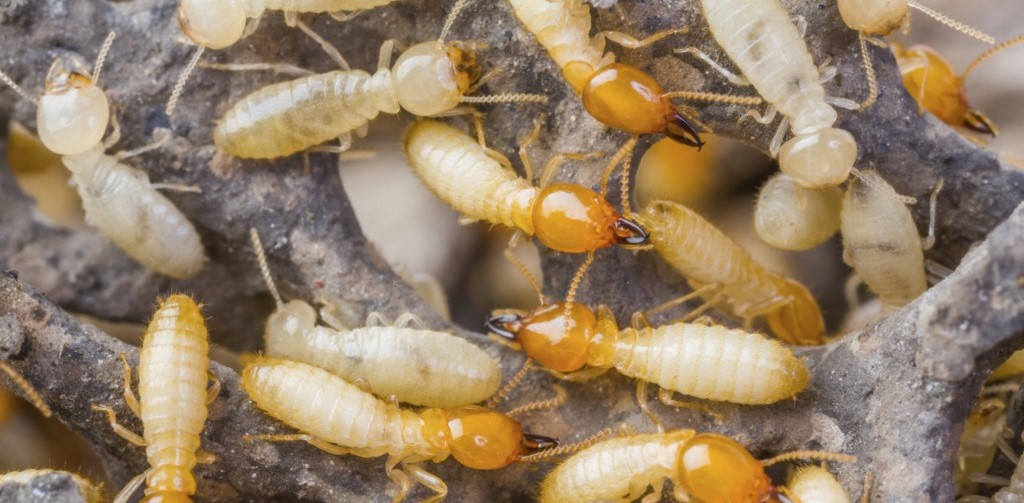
x,y
323,5
323,405
420,367
289,117
563,28
173,366
458,171
605,471
712,362
814,484
119,201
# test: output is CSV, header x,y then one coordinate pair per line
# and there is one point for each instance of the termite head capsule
x,y
574,219
820,159
938,88
430,80
73,113
484,439
212,24
542,334
286,324
873,17
716,469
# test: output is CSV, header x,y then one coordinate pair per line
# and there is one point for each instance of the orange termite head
x,y
214,24
73,113
543,335
799,321
166,497
574,219
717,469
484,439
938,88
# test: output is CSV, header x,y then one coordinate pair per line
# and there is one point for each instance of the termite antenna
x,y
179,86
992,51
570,297
622,153
30,393
511,385
729,99
506,98
838,457
566,449
261,258
530,278
548,403
953,23
13,85
869,71
449,21
102,57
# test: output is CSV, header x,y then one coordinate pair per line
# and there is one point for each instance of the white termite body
x,y
790,217
814,484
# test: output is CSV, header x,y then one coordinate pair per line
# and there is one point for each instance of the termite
x,y
704,467
983,433
815,484
173,397
340,418
71,117
416,366
429,79
670,171
769,50
89,492
790,217
881,242
934,84
718,268
1013,491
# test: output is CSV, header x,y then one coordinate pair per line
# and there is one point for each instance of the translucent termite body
x,y
704,361
814,484
340,418
763,42
564,217
416,366
790,217
1012,493
173,396
119,200
712,261
881,241
89,492
618,95
703,467
982,434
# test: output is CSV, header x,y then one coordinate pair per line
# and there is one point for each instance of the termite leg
x,y
428,480
377,319
667,397
844,103
124,154
698,313
327,314
298,437
485,78
736,80
556,161
936,271
701,291
115,131
205,457
630,42
641,400
579,375
850,288
252,25
214,389
768,305
801,25
120,430
133,485
639,321
129,396
865,495
282,68
481,138
780,134
177,187
929,241
524,156
637,488
409,320
399,477
345,17
387,49
766,118
827,73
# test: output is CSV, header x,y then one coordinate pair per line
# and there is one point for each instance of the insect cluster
x,y
341,389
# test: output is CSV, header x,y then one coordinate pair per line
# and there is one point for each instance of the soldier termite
x,y
339,418
72,117
416,366
428,79
716,266
173,397
881,242
934,84
703,467
89,492
790,217
770,52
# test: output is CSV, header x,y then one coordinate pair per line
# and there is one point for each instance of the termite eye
x,y
630,232
680,129
505,325
484,439
213,24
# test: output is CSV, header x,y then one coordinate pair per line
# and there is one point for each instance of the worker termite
x,y
339,418
790,217
173,397
429,79
417,366
814,484
72,117
982,435
1014,486
716,266
934,84
770,52
704,467
881,242
89,492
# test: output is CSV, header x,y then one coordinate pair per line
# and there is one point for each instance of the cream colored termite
x,y
428,79
1013,492
814,484
769,50
174,368
341,419
790,217
119,200
415,365
881,241
89,492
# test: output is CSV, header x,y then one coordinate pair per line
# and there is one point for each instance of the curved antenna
x,y
992,51
570,297
837,457
261,258
449,21
179,86
101,57
548,403
511,385
13,85
530,278
30,393
869,71
953,23
505,98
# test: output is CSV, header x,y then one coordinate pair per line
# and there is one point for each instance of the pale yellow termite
x,y
119,200
983,433
814,484
881,242
1013,492
173,396
339,418
90,493
703,467
417,366
763,42
430,78
790,217
715,265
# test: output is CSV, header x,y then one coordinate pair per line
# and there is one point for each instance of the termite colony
x,y
409,391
